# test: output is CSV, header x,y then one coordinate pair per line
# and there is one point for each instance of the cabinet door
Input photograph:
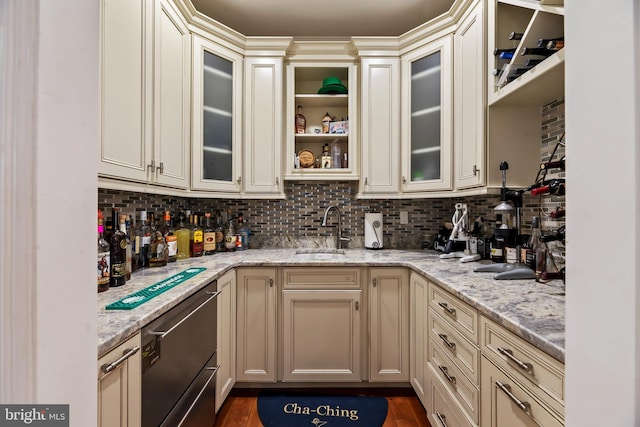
x,y
507,403
119,386
389,324
469,100
263,125
226,376
172,92
125,76
256,328
217,106
427,97
321,335
418,337
380,126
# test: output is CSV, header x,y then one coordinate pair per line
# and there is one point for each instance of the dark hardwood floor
x,y
405,410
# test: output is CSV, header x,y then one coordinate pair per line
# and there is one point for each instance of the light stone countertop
x,y
533,311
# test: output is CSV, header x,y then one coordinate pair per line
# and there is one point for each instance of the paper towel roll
x,y
373,230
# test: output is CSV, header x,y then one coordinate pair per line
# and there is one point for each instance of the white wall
x,y
603,208
49,80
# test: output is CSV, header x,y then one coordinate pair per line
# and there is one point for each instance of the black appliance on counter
x,y
179,363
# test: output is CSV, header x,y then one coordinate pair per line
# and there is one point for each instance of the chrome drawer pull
x,y
527,367
441,418
106,368
451,311
165,333
449,344
506,389
445,371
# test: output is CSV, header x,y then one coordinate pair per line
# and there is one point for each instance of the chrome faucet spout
x,y
339,237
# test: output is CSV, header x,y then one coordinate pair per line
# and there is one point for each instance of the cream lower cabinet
x,y
388,324
418,335
521,386
321,324
256,327
120,385
226,350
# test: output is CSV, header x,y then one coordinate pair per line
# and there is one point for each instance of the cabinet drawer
x,y
462,352
527,364
445,412
459,314
509,403
465,392
326,278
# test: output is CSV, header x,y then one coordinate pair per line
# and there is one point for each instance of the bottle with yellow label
x,y
197,238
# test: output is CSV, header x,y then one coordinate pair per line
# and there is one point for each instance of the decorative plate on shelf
x,y
307,158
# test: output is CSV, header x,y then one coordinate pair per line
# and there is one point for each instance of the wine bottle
x,y
532,62
533,244
558,164
104,257
118,254
540,51
301,121
545,42
128,257
209,235
554,186
515,36
555,45
497,52
506,55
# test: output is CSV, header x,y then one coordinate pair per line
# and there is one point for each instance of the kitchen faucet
x,y
339,237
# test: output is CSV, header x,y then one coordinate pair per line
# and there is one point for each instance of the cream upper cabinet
x,y
256,327
120,385
418,335
427,116
226,332
321,324
380,118
263,135
145,93
217,117
389,324
469,100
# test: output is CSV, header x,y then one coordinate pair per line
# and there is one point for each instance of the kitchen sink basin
x,y
319,253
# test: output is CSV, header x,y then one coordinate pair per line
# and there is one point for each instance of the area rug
x,y
304,410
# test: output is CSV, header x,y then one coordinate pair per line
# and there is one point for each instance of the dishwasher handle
x,y
163,334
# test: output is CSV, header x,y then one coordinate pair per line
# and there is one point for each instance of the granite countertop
x,y
531,310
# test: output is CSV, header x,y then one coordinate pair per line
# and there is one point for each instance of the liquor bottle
x,y
545,42
183,235
301,121
540,51
230,237
533,244
558,164
554,186
209,235
171,238
132,242
506,55
220,247
243,231
336,155
532,62
118,254
158,251
515,36
326,121
144,231
103,256
326,158
196,239
123,228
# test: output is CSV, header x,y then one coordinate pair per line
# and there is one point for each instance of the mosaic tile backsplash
x,y
296,221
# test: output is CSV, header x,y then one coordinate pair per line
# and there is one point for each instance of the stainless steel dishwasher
x,y
179,363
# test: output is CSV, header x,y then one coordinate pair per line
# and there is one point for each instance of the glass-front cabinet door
x,y
427,98
217,97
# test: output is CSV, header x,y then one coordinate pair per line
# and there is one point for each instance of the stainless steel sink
x,y
319,253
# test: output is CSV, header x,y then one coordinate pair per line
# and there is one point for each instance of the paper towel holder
x,y
373,234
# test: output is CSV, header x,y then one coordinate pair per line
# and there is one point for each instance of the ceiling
x,y
322,18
